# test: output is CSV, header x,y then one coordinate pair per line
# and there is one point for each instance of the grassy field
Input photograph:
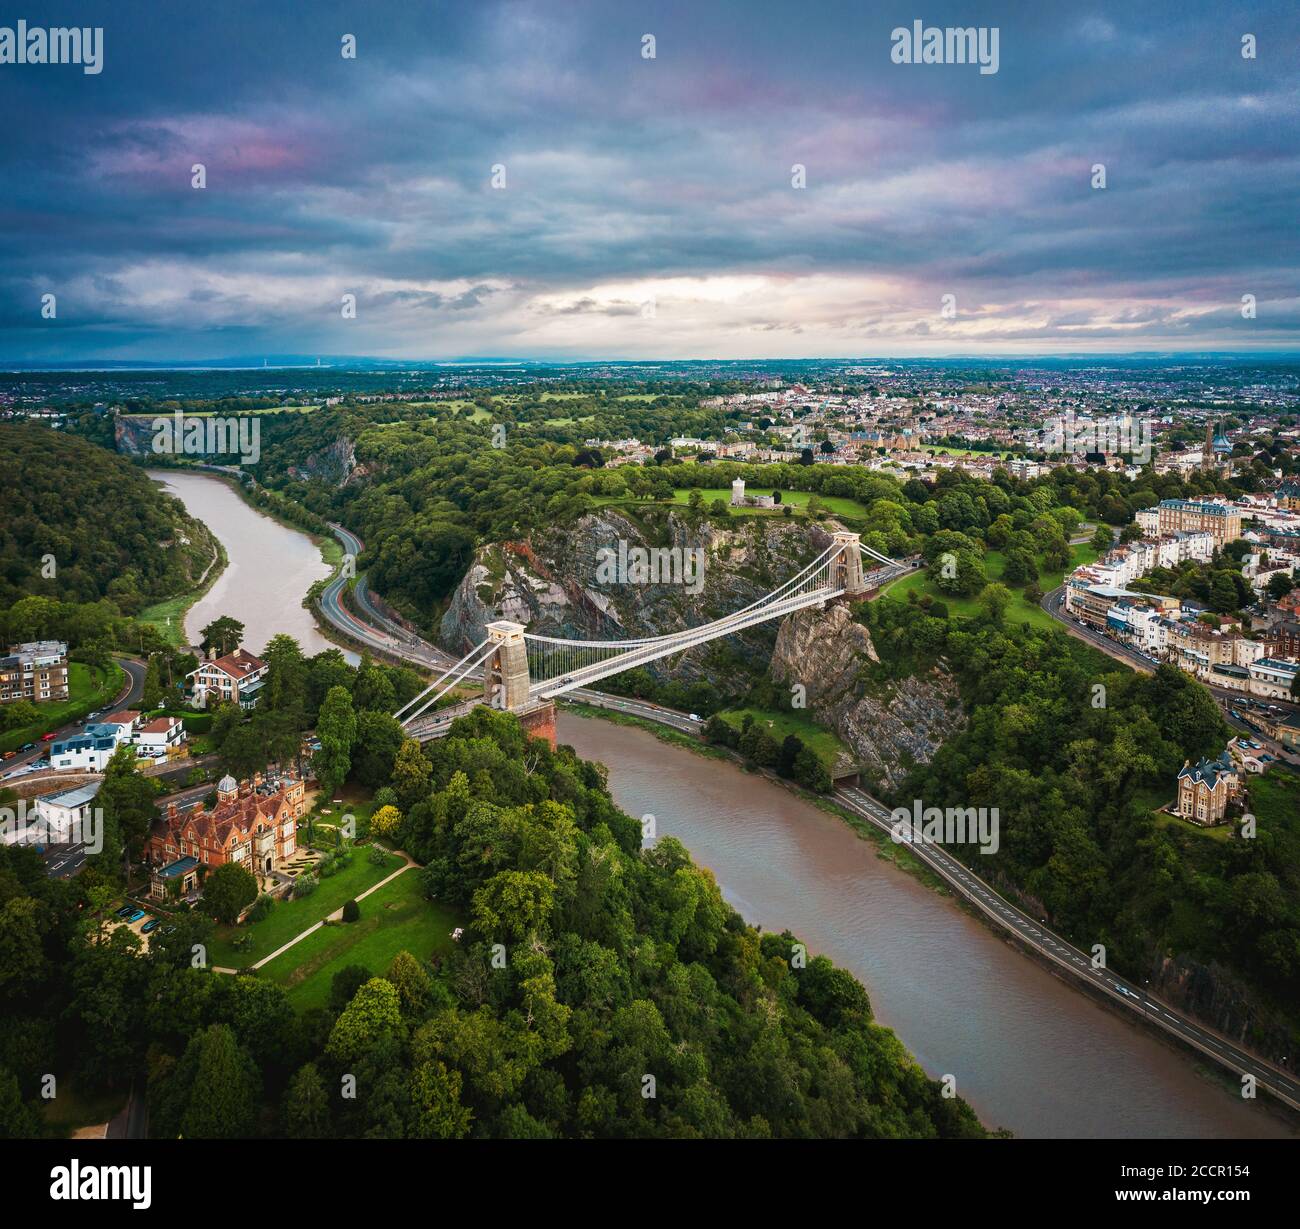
x,y
291,917
1019,611
840,505
87,689
395,918
824,744
169,617
935,450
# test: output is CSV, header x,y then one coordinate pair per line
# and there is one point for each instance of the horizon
x,y
518,179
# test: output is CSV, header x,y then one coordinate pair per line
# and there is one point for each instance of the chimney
x,y
171,810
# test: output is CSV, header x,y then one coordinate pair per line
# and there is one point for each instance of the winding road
x,y
386,635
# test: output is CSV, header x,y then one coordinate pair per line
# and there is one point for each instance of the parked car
x,y
49,738
125,909
169,930
27,747
10,754
135,915
152,924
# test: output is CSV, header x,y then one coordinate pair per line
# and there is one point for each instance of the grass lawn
x,y
291,917
964,452
70,1109
1221,832
841,505
824,744
1019,611
87,689
396,918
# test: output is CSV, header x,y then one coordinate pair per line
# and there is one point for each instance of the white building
x,y
52,819
1271,678
156,738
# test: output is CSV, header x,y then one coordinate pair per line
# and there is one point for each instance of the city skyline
x,y
646,208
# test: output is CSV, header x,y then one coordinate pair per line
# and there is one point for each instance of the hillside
x,y
79,523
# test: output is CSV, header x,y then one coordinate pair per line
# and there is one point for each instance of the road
x,y
1069,960
130,693
1054,603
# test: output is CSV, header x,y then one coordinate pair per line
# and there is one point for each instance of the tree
x,y
351,911
373,1015
223,634
336,729
223,1086
379,739
228,890
1279,585
1103,538
412,774
306,1109
385,821
995,598
151,692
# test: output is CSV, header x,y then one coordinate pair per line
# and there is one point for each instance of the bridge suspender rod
x,y
454,673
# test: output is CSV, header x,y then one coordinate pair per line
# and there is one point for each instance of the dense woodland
x,y
1075,774
625,999
78,524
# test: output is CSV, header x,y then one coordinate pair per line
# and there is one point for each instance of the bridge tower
x,y
846,566
506,666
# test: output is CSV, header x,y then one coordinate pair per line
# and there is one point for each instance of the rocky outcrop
x,y
558,584
1214,995
889,725
336,464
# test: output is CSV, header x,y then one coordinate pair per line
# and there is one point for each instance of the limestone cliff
x,y
553,581
888,725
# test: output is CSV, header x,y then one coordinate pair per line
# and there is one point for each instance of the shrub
x,y
351,911
304,885
261,907
377,856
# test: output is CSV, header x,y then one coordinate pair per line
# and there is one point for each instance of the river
x,y
1028,1052
270,567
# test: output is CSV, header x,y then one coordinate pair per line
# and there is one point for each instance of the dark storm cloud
x,y
629,178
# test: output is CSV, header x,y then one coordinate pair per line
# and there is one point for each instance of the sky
x,y
522,180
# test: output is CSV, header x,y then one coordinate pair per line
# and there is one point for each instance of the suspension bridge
x,y
524,673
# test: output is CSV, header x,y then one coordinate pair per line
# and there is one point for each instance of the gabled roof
x,y
237,665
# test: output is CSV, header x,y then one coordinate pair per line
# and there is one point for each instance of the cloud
x,y
631,181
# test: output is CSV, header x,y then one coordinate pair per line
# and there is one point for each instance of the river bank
x,y
266,560
1028,1051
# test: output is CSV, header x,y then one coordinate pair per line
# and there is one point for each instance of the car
x,y
27,747
10,754
169,930
694,717
49,738
125,909
135,915
151,925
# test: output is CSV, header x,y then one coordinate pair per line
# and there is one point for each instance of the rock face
x,y
336,464
559,584
889,725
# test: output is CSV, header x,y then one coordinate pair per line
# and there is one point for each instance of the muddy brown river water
x,y
1028,1052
